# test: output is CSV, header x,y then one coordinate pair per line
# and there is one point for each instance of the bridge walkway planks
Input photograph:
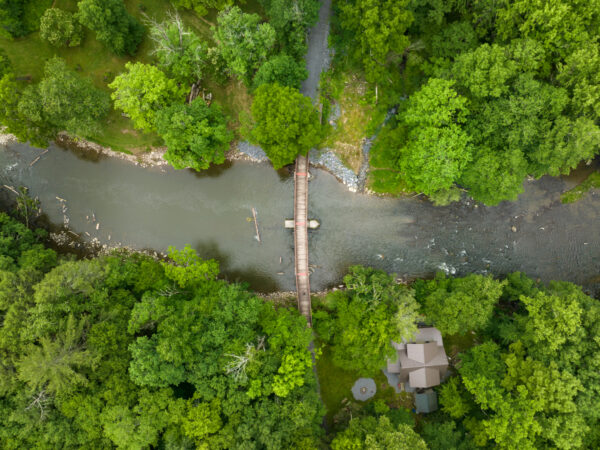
x,y
301,237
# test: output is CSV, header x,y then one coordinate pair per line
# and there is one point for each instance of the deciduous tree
x,y
437,148
378,27
370,433
64,101
113,25
366,318
196,135
243,41
144,90
462,304
281,69
202,6
285,123
180,52
60,28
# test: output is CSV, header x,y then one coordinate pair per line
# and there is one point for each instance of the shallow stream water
x,y
158,207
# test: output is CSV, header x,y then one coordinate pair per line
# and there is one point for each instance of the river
x,y
152,208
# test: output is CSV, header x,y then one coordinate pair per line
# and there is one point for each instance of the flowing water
x,y
158,207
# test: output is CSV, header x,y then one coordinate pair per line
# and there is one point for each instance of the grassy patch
x,y
234,98
93,60
336,385
349,91
577,193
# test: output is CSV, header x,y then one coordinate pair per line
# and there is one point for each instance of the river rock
x,y
253,152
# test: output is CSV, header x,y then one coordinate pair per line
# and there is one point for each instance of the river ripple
x,y
158,207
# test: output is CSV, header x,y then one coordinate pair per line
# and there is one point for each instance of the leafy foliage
x,y
281,69
434,149
196,135
93,353
180,52
142,91
113,25
456,306
60,28
527,72
243,41
378,28
61,101
291,19
285,123
372,433
529,384
11,18
202,6
20,17
365,318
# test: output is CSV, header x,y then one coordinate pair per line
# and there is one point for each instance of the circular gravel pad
x,y
364,389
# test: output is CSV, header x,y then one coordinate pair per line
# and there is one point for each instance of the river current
x,y
152,208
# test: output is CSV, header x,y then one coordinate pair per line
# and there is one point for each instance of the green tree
x,y
492,177
53,365
281,69
202,419
12,24
142,91
292,372
60,28
566,144
437,149
243,41
462,304
485,71
140,426
369,433
188,269
531,389
291,19
63,101
378,27
248,362
580,72
180,52
444,435
364,319
285,123
16,123
196,135
202,6
558,25
113,25
552,319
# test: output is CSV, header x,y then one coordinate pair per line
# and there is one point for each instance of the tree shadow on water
x,y
256,280
214,171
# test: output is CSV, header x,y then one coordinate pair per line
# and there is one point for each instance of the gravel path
x,y
318,55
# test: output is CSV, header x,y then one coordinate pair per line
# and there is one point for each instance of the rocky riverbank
x,y
324,159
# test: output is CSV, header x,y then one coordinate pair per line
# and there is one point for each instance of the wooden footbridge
x,y
301,237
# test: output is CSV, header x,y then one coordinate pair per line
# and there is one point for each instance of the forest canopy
x,y
123,350
126,351
524,74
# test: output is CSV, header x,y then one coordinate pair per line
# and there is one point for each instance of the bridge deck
x,y
301,237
